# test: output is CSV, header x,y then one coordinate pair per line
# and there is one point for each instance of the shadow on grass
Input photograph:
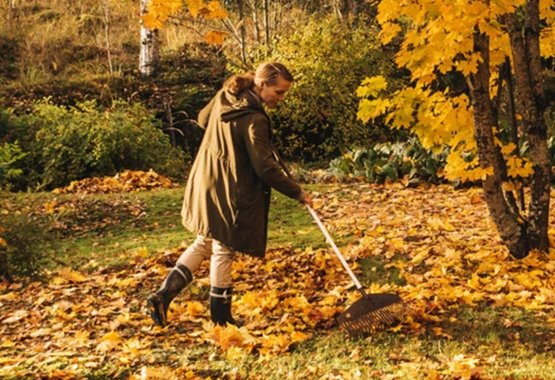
x,y
508,328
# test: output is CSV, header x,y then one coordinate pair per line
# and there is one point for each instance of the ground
x,y
476,312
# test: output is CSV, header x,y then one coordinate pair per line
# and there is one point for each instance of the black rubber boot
x,y
158,303
220,306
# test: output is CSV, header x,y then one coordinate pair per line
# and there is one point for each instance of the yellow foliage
x,y
195,309
67,275
109,342
440,38
215,37
160,11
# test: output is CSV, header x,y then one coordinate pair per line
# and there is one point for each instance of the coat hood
x,y
235,106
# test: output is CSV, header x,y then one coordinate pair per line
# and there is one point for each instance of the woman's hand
x,y
305,199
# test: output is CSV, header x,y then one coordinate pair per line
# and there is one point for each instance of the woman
x,y
227,196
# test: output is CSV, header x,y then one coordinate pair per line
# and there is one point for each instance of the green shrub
x,y
87,140
11,157
390,162
319,118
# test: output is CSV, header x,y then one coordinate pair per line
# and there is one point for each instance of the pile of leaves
x,y
419,243
126,181
84,214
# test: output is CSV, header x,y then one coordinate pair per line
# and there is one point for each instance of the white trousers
x,y
221,259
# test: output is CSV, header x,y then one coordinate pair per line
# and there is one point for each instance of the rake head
x,y
372,312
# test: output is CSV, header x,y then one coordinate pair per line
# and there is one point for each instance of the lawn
x,y
477,313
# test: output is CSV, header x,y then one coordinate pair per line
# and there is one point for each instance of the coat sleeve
x,y
204,114
259,147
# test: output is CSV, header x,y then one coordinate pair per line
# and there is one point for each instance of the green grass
x,y
104,226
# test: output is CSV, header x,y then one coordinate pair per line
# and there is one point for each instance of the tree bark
x,y
149,54
107,35
11,9
510,227
514,125
266,11
242,32
255,22
531,106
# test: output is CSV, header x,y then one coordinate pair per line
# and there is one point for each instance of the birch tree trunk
x,y
242,32
255,22
11,9
266,11
107,35
149,54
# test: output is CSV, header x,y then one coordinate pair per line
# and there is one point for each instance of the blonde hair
x,y
267,72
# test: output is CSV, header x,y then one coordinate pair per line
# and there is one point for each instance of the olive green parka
x,y
227,196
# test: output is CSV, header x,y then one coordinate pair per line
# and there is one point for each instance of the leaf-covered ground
x,y
434,246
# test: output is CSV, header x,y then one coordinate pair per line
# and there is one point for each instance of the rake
x,y
372,311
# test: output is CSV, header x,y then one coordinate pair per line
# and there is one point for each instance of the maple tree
x,y
479,39
160,11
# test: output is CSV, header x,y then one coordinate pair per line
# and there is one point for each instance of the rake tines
x,y
373,312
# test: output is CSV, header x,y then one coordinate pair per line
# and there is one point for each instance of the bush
x,y
86,140
11,157
392,161
319,118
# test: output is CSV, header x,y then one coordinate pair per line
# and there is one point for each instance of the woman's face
x,y
272,94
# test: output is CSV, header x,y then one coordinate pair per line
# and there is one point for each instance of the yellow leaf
x,y
230,336
215,37
50,207
195,7
109,342
8,296
370,87
132,347
275,344
16,317
68,275
3,242
215,10
195,309
157,373
297,336
389,31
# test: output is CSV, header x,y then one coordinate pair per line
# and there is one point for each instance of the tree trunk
x,y
531,106
514,125
255,22
510,227
242,32
11,9
148,58
107,35
266,11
